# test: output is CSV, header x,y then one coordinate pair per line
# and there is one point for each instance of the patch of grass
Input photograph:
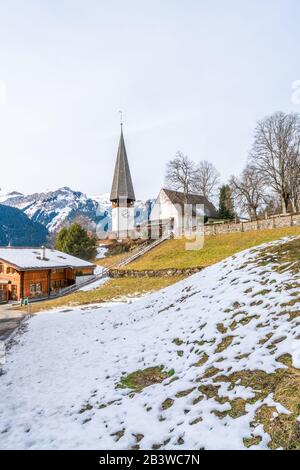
x,y
225,343
118,434
110,260
196,421
261,292
256,303
177,341
144,378
266,338
114,289
242,356
203,359
285,256
238,408
294,315
221,328
243,321
86,407
116,251
184,393
167,403
172,253
284,429
252,441
210,372
291,302
248,291
284,384
210,391
236,305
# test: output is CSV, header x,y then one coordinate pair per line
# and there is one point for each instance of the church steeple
x,y
122,187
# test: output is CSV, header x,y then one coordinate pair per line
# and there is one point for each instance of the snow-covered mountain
x,y
54,209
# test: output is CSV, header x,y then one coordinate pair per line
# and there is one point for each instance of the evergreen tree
x,y
76,241
226,208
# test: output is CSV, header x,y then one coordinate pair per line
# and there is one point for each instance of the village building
x,y
122,195
35,273
173,212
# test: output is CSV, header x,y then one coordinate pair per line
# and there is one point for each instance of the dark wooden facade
x,y
16,284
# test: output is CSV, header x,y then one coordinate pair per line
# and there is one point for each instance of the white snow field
x,y
60,387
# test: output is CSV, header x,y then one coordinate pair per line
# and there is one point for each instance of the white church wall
x,y
122,221
164,209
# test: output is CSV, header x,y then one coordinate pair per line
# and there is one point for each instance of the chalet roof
x,y
122,183
177,197
31,258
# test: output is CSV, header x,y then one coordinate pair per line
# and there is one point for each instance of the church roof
x,y
122,183
177,197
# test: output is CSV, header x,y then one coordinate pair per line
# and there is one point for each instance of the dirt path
x,y
9,320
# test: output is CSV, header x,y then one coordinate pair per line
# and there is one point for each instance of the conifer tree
x,y
226,208
76,242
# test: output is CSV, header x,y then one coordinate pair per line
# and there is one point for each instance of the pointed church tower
x,y
122,194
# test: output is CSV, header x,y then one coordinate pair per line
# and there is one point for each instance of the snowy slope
x,y
53,209
60,383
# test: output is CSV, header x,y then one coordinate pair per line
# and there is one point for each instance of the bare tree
x,y
181,174
275,154
294,183
249,191
207,179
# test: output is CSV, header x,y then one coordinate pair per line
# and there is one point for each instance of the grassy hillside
x,y
114,289
212,362
172,253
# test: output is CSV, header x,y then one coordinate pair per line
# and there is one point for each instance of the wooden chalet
x,y
39,272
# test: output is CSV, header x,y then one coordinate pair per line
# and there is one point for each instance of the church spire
x,y
122,184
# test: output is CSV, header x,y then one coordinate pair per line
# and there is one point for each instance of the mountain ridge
x,y
60,207
17,229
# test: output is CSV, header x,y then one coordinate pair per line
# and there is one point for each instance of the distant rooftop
x,y
32,258
177,197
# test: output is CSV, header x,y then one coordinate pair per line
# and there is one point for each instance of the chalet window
x,y
36,288
32,289
10,270
1,267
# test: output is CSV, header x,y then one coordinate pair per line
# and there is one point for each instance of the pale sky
x,y
189,75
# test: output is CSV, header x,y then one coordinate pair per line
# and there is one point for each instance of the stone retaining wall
x,y
265,224
117,273
289,220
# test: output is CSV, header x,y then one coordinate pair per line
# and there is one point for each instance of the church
x,y
172,213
